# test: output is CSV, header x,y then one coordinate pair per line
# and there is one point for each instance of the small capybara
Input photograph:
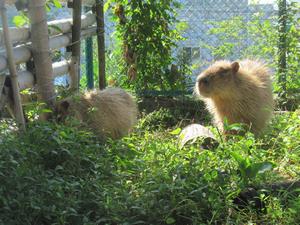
x,y
110,113
239,91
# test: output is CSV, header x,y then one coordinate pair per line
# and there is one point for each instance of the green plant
x,y
57,174
21,19
146,29
161,118
258,38
249,169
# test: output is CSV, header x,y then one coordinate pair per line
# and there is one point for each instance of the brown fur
x,y
109,113
240,91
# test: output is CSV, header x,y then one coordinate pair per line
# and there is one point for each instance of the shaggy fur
x,y
240,91
109,113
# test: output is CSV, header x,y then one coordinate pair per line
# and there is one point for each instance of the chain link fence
x,y
200,16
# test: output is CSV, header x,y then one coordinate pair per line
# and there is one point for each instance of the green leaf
x,y
106,5
182,26
46,110
56,3
262,167
176,131
20,20
170,220
238,157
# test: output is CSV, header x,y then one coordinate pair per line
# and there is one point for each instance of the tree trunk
x,y
101,42
89,59
75,60
18,111
41,52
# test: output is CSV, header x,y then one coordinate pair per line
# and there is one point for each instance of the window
x,y
191,55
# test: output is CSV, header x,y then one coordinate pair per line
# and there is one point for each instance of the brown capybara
x,y
110,113
239,91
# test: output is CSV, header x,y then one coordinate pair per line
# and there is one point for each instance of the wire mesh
x,y
200,16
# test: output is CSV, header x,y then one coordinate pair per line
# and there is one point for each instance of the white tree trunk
x,y
18,111
41,51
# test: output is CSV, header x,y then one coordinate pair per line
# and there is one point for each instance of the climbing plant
x,y
148,33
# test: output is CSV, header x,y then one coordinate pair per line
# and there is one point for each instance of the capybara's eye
x,y
204,80
223,73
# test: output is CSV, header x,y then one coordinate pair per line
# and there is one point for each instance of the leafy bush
x,y
147,32
52,176
55,174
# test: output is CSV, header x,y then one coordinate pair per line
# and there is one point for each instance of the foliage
x,y
114,64
159,119
22,19
290,89
55,174
115,73
248,169
258,37
146,29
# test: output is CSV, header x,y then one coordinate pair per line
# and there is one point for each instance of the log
x,y
26,78
23,54
18,34
22,34
84,2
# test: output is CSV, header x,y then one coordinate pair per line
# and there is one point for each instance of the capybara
x,y
240,91
110,113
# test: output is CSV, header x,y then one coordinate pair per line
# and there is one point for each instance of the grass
x,y
55,174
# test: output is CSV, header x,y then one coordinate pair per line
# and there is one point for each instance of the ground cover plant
x,y
55,174
58,174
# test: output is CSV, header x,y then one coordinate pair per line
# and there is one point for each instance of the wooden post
x,y
101,42
75,60
41,52
12,69
89,60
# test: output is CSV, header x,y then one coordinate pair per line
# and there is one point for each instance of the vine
x,y
148,34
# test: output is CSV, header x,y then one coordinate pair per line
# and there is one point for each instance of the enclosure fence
x,y
199,17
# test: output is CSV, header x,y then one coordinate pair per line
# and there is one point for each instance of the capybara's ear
x,y
65,105
235,66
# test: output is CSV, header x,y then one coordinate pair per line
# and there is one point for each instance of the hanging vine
x,y
147,30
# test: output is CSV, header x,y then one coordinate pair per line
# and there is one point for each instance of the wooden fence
x,y
60,36
26,47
